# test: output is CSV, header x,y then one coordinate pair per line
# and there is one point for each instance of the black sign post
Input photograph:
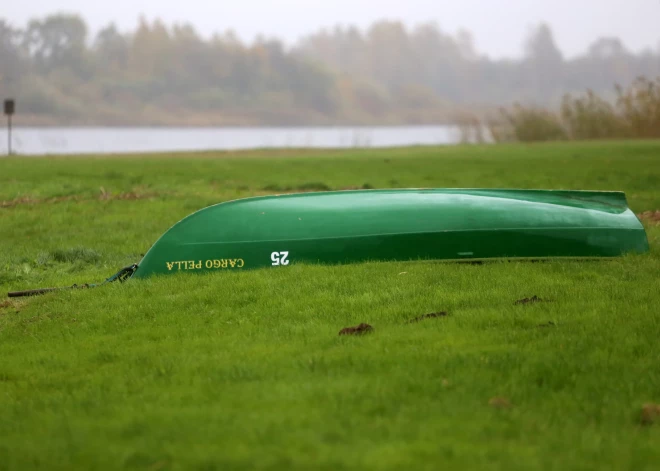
x,y
10,108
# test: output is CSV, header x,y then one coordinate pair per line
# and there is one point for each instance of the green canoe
x,y
387,225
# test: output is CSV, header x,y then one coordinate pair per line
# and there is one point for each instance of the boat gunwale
x,y
449,261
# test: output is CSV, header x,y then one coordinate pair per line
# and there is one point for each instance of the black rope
x,y
121,276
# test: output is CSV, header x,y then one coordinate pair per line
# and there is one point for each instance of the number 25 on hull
x,y
279,258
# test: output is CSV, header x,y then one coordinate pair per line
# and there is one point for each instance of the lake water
x,y
39,141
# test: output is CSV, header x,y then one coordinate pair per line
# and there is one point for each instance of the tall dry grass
x,y
634,114
470,127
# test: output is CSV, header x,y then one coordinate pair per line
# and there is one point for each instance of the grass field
x,y
246,370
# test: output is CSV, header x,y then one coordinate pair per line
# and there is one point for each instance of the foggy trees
x,y
544,63
163,74
57,42
11,57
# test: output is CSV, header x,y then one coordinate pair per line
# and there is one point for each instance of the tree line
x,y
387,74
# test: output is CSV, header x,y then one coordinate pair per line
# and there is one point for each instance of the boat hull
x,y
391,225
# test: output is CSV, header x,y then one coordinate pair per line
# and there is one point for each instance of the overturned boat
x,y
401,224
391,225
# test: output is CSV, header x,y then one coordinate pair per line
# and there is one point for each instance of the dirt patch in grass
x,y
532,300
30,200
103,196
499,402
310,187
547,324
428,316
650,414
365,186
135,194
650,216
8,304
302,188
357,330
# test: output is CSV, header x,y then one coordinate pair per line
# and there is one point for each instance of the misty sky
x,y
499,26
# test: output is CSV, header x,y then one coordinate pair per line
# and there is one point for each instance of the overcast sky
x,y
498,26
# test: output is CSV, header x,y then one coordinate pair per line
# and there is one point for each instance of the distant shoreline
x,y
28,121
37,140
228,126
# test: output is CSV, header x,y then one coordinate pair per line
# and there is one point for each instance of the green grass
x,y
246,370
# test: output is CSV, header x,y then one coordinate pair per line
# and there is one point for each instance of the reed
x,y
470,128
639,108
635,114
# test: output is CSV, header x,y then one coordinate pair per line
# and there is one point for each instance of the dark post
x,y
10,107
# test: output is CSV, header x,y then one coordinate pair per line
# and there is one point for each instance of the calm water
x,y
37,141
